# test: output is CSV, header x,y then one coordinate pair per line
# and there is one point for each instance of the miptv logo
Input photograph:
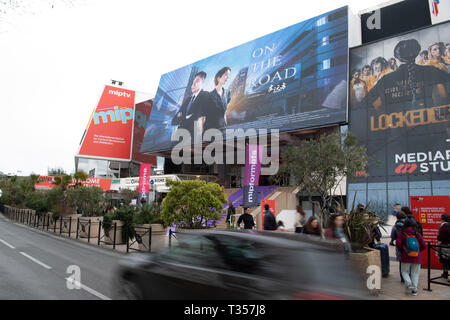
x,y
119,93
117,114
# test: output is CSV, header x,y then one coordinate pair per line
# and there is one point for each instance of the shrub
x,y
149,214
192,204
126,215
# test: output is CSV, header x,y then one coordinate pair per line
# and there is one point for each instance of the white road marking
x,y
6,244
36,260
86,288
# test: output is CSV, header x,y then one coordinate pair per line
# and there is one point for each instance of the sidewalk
x,y
393,289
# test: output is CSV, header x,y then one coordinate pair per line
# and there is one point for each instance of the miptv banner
x,y
110,130
290,79
252,172
428,211
47,182
144,183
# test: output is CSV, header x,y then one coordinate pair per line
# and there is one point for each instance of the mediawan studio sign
x,y
400,105
288,80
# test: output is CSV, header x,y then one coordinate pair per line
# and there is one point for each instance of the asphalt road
x,y
34,265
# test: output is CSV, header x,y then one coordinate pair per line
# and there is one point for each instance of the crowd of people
x,y
406,236
364,79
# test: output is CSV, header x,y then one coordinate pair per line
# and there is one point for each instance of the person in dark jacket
x,y
410,264
230,212
410,220
247,218
269,219
312,227
444,239
335,231
398,227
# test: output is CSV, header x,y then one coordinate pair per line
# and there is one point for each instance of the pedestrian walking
x,y
412,221
312,227
444,239
401,217
300,219
335,231
230,213
269,219
247,219
410,243
398,227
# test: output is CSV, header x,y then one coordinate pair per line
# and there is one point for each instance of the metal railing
x,y
84,229
430,280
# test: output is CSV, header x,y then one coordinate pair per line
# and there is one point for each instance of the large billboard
x,y
110,129
291,79
400,107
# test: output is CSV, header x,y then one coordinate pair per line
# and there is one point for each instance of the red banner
x,y
428,211
142,114
144,178
110,130
47,182
271,204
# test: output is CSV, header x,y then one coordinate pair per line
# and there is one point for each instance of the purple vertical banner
x,y
253,157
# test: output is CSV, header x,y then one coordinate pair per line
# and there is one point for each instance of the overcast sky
x,y
55,57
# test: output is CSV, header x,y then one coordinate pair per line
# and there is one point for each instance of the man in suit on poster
x,y
193,107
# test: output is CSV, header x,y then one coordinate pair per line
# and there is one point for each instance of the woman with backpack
x,y
410,243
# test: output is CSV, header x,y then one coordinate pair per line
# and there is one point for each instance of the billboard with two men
x,y
291,79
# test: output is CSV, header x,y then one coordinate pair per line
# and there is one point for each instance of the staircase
x,y
237,198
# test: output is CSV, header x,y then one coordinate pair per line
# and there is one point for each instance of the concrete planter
x,y
160,239
84,226
108,237
51,223
67,221
363,260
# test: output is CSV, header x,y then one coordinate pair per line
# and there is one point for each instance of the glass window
x,y
192,250
376,186
247,256
321,21
441,188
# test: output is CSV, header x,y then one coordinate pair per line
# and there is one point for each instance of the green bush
x,y
88,199
126,215
37,201
107,221
193,204
149,214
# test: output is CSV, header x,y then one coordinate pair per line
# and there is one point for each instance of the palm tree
x,y
79,177
63,182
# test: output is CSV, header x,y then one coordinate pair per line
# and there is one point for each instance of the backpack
x,y
412,245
